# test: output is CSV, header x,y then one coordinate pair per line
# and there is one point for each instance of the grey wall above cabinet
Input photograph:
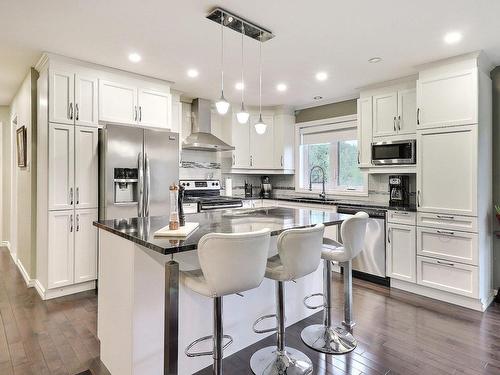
x,y
344,108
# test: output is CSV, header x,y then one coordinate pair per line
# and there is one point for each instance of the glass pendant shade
x,y
242,115
222,105
260,126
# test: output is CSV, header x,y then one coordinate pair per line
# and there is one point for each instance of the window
x,y
331,149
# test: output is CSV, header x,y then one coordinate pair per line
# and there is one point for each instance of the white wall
x,y
4,169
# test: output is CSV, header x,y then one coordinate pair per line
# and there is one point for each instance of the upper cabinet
x,y
126,103
73,97
447,97
365,119
262,145
394,113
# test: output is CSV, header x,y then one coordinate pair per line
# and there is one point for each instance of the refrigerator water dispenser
x,y
126,185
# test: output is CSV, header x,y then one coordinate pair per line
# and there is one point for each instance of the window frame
x,y
334,123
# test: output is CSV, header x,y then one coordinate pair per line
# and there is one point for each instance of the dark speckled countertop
x,y
277,219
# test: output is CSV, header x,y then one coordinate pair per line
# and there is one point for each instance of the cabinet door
x,y
86,100
117,103
385,111
365,117
241,142
284,141
85,245
61,96
447,171
154,109
407,111
61,248
61,166
262,145
86,171
401,252
448,99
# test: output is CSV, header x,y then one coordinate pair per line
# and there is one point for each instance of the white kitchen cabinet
x,y
154,108
365,119
86,167
117,102
61,167
241,142
61,227
262,145
448,276
401,252
284,142
447,98
62,96
86,89
447,170
407,114
385,112
85,245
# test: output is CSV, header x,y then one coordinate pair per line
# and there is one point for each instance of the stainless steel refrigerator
x,y
136,166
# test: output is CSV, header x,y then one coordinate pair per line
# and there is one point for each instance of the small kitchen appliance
x,y
399,190
248,190
394,152
265,187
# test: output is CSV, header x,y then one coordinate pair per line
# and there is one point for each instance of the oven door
x,y
394,152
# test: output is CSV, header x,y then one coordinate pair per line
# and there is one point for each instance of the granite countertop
x,y
277,219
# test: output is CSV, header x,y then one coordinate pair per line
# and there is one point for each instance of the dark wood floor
x,y
398,333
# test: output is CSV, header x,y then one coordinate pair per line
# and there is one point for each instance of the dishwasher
x,y
370,263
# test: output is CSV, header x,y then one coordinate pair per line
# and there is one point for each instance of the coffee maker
x,y
265,187
399,190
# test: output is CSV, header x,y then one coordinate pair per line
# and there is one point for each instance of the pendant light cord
x,y
242,82
222,51
260,75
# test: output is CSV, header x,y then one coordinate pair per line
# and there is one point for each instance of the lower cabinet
x,y
400,252
72,250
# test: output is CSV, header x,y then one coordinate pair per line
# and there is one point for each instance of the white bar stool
x,y
324,337
230,264
299,254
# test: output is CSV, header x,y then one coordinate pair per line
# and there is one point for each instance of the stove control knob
x,y
188,184
216,184
213,183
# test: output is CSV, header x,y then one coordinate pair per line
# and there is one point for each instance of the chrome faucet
x,y
322,194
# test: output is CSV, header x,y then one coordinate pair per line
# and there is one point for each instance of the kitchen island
x,y
146,318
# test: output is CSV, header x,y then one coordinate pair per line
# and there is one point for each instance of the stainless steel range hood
x,y
201,137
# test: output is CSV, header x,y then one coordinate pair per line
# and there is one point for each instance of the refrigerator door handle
x,y
148,186
140,199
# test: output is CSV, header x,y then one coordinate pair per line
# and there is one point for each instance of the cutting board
x,y
184,231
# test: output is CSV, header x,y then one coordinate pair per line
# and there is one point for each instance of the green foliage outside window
x,y
349,173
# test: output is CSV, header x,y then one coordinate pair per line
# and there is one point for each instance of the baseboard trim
x,y
13,255
27,279
46,294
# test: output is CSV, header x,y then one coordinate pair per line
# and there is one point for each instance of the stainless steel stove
x,y
204,195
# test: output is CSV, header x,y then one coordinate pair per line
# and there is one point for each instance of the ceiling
x,y
334,36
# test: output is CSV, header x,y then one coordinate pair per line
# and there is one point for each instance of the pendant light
x,y
260,126
222,104
243,114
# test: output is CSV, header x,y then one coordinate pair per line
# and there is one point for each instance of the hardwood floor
x,y
398,333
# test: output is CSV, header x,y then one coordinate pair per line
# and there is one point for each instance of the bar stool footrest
x,y
267,330
202,339
312,307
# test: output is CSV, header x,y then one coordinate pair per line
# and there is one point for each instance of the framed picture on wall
x,y
21,146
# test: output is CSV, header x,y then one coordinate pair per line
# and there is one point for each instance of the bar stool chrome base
x,y
270,361
328,340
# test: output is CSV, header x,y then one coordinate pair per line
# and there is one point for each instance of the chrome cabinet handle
x,y
78,222
135,113
234,160
389,232
418,198
281,160
445,263
70,111
251,161
450,233
358,158
399,122
418,116
71,196
71,223
77,112
394,123
445,217
140,113
77,195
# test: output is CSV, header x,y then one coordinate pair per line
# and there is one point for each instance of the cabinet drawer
x,y
401,217
445,244
463,223
448,276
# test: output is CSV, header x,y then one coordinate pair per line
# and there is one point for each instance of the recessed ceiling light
x,y
374,60
281,87
134,57
317,97
453,37
192,73
321,76
239,86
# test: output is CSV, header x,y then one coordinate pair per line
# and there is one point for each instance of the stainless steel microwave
x,y
394,152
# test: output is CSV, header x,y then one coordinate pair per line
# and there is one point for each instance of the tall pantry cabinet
x,y
67,183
